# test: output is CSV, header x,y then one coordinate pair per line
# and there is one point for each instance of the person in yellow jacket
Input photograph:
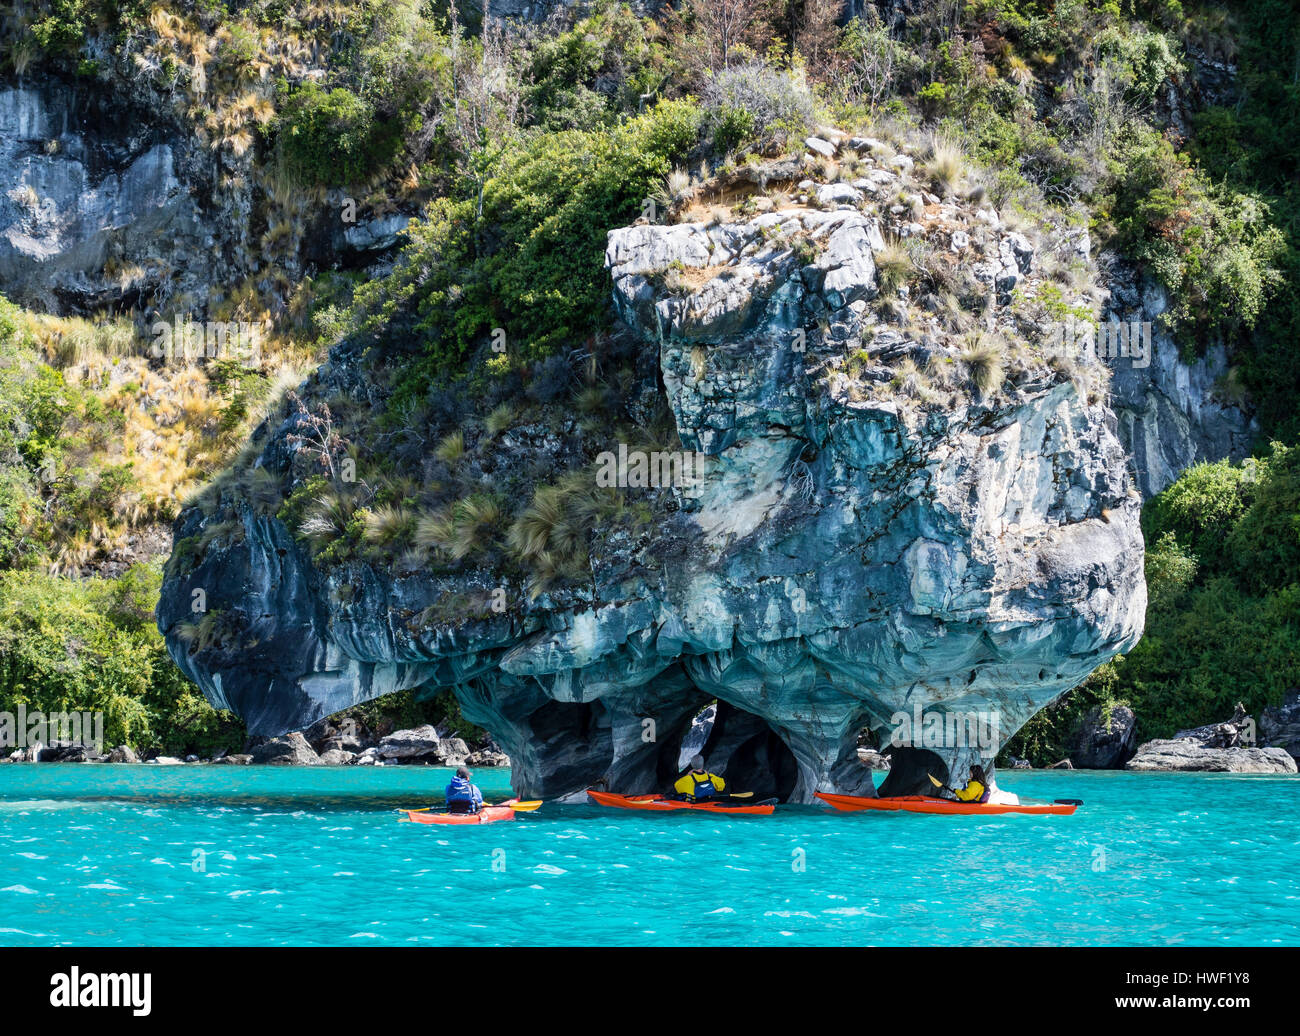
x,y
698,783
976,789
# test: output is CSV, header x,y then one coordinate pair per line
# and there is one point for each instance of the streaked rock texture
x,y
95,210
852,554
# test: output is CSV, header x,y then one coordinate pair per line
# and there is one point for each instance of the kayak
x,y
924,804
658,802
486,815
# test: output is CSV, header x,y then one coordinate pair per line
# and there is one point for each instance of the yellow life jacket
x,y
699,785
973,792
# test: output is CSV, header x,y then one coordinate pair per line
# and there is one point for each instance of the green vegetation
x,y
526,253
330,137
520,152
91,645
1223,624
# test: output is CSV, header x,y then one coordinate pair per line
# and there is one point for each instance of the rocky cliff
x,y
892,514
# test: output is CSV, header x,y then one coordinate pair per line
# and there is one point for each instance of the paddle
x,y
515,804
939,784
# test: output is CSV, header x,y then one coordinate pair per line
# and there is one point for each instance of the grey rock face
x,y
540,10
1172,414
488,757
423,745
1234,733
93,212
290,750
1279,725
122,754
1192,755
1104,742
844,560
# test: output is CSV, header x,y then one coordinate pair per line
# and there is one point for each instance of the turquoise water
x,y
142,855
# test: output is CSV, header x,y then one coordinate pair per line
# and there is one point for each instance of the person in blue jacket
x,y
462,795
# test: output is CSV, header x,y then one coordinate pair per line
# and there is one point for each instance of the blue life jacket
x,y
704,788
461,790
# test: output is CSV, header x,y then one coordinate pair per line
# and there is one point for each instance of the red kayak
x,y
924,804
658,802
486,815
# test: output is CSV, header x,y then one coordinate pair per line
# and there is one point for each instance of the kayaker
x,y
698,783
463,796
977,788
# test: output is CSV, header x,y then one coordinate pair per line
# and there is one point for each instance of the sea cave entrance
x,y
740,747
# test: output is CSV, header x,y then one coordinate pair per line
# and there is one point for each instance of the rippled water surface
x,y
144,855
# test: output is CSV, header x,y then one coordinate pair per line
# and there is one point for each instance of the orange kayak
x,y
658,802
924,804
486,815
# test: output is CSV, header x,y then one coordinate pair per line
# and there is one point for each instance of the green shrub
x,y
69,645
1214,250
331,137
1200,509
758,105
1264,546
531,261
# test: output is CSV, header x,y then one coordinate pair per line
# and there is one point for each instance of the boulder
x,y
1105,738
832,194
337,757
289,750
421,743
1190,755
1279,725
1236,732
491,757
1062,764
872,759
822,147
234,759
67,752
867,145
454,752
122,754
164,760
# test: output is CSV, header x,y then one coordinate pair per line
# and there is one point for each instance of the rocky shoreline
x,y
322,744
1106,739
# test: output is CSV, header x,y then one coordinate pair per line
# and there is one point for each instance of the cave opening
x,y
577,743
742,749
909,770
